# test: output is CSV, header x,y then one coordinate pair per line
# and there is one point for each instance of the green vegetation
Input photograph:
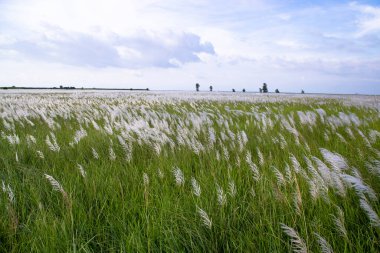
x,y
150,172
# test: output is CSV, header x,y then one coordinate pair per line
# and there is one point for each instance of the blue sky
x,y
318,46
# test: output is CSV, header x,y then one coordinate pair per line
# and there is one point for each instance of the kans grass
x,y
189,172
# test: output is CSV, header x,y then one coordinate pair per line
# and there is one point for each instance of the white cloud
x,y
137,51
369,21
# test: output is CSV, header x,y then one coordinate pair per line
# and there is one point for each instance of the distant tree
x,y
210,87
61,87
302,92
265,88
277,91
233,90
243,90
197,86
147,89
261,90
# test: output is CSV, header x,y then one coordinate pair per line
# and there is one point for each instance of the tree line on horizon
x,y
264,89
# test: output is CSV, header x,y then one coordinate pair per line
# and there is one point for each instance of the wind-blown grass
x,y
186,172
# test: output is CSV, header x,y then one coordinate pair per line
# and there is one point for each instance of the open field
x,y
189,172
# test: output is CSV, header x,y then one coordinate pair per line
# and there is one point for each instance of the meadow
x,y
189,172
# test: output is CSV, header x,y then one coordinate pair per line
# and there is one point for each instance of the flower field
x,y
189,172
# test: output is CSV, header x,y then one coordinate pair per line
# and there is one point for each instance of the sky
x,y
318,46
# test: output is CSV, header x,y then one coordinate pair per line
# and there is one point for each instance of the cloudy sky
x,y
319,46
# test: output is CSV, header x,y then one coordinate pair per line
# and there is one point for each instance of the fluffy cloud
x,y
138,51
369,20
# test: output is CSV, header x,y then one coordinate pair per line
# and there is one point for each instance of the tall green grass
x,y
133,203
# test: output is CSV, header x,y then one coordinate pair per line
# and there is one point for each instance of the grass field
x,y
189,172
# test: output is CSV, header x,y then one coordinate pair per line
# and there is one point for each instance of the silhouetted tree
x,y
197,86
243,90
277,91
261,90
302,92
265,88
233,90
210,87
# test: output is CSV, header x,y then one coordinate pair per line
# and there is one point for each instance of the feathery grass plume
x,y
372,215
30,139
373,135
8,190
366,141
225,153
359,186
232,188
205,218
288,173
81,170
253,193
126,147
160,173
179,177
112,154
222,197
350,133
340,224
297,201
338,184
13,139
323,244
108,129
310,167
238,162
290,128
40,154
336,161
341,138
295,163
261,157
145,179
16,157
211,137
252,166
313,189
322,113
157,148
95,125
11,211
326,136
307,147
95,154
282,140
279,176
57,187
51,142
323,170
51,146
79,134
217,155
298,244
55,184
54,142
196,187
